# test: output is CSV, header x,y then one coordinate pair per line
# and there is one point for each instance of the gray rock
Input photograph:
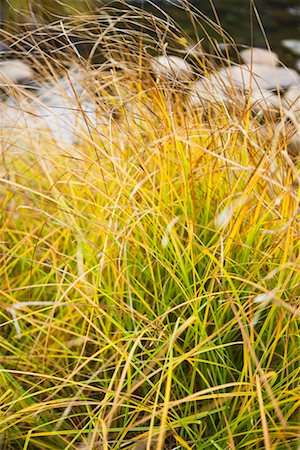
x,y
292,99
208,90
171,67
259,56
292,134
265,100
294,12
294,145
223,46
13,116
221,90
3,47
292,44
60,112
65,107
14,71
288,133
258,77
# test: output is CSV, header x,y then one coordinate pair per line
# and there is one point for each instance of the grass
x,y
149,276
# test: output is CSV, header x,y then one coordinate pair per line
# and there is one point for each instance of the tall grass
x,y
150,269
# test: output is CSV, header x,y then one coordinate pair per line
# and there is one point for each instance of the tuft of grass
x,y
150,267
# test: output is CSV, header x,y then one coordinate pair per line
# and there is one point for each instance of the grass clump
x,y
149,274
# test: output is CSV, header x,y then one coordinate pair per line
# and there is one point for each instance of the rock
x,y
14,71
292,99
267,131
13,117
194,51
208,90
258,77
218,89
292,44
66,107
259,56
265,100
3,47
171,67
229,84
223,46
61,112
294,145
288,133
294,12
292,135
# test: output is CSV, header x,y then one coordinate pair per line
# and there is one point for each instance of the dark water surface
x,y
280,18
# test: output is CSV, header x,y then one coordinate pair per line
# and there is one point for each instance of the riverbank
x,y
276,20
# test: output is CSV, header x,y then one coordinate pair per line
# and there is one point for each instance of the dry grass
x,y
150,266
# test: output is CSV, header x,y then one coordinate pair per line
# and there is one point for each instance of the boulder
x,y
171,67
220,90
292,44
292,99
66,108
14,71
291,134
3,47
61,112
294,11
265,100
208,90
259,56
288,133
294,145
14,117
258,77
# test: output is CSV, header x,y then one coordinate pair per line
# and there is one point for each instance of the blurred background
x,y
280,18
